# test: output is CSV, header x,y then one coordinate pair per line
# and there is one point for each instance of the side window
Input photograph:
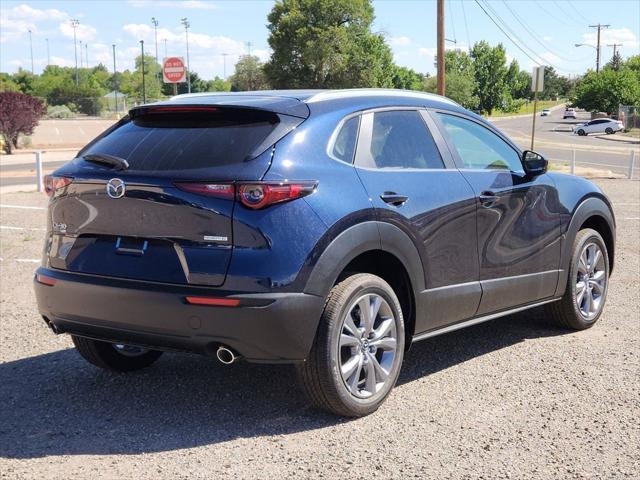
x,y
345,143
400,139
478,147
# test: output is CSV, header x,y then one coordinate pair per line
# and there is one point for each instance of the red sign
x,y
173,70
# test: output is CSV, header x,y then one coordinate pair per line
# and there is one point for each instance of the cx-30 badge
x,y
115,188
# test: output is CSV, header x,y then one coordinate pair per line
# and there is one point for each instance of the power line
x,y
577,11
549,14
466,25
566,13
534,36
453,25
507,35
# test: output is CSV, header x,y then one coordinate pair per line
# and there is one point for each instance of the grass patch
x,y
528,108
634,132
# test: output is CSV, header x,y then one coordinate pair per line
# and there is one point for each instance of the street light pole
x,y
440,86
81,57
115,82
186,24
224,65
597,55
86,51
31,49
74,25
48,57
144,93
165,48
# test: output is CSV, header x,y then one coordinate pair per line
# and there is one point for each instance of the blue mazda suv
x,y
327,229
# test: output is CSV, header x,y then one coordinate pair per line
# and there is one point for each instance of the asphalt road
x,y
513,398
555,140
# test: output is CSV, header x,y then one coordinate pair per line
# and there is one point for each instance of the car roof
x,y
299,102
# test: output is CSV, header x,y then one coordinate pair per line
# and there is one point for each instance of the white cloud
x,y
547,38
83,32
427,52
623,36
186,4
263,55
17,21
219,44
399,41
550,58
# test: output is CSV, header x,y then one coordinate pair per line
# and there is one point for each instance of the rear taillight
x,y
252,195
260,195
45,280
53,183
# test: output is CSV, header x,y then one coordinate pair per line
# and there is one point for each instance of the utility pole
x,y
599,27
74,25
165,48
31,49
81,57
144,94
615,46
186,24
224,65
48,57
440,49
155,28
249,48
86,51
115,83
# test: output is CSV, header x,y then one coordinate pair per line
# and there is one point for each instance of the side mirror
x,y
534,164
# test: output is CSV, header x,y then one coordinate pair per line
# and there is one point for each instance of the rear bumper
x,y
263,328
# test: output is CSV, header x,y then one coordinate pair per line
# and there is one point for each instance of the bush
x,y
25,141
19,114
59,111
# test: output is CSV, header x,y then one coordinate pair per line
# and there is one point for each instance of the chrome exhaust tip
x,y
226,356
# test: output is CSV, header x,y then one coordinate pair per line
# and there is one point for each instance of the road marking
x,y
26,207
8,227
616,204
631,218
81,131
28,260
57,131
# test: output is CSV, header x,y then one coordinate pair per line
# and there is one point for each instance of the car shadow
x,y
56,404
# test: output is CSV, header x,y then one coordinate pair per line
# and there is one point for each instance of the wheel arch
x,y
373,247
595,213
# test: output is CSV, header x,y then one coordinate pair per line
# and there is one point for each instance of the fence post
x,y
632,160
39,183
573,162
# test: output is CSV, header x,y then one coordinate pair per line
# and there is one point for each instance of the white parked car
x,y
545,112
569,113
600,125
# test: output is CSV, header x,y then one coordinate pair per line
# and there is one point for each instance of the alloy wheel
x,y
129,350
368,344
591,281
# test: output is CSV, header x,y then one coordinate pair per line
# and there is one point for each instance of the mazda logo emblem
x,y
115,188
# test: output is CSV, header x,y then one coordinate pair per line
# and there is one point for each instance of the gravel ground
x,y
513,398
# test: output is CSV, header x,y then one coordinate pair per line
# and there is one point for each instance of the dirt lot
x,y
513,398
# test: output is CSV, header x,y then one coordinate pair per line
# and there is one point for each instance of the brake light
x,y
192,108
53,183
218,190
213,301
260,195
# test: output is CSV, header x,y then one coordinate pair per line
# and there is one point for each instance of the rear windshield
x,y
187,140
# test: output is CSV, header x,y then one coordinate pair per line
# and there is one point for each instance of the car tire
x,y
608,130
587,284
581,132
354,364
118,358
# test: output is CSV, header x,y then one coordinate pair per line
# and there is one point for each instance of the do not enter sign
x,y
173,70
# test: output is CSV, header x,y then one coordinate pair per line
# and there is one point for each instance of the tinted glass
x,y
478,147
345,143
400,139
182,141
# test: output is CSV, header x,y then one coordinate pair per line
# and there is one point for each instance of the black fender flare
x,y
358,239
590,207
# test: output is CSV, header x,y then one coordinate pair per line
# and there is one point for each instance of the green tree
x,y
218,85
606,90
326,44
490,71
555,86
7,84
459,62
616,62
459,87
249,75
406,79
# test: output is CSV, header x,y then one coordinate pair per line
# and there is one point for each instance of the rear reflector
x,y
219,190
43,279
214,302
53,183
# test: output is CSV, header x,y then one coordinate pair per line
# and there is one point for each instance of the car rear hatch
x,y
150,198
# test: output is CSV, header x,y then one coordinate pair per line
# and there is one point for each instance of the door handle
x,y
487,199
393,198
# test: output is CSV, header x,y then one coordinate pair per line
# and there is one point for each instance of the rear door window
x,y
345,143
187,140
400,139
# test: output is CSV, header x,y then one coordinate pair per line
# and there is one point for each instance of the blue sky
x,y
546,29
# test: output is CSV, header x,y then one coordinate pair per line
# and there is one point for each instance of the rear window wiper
x,y
106,159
